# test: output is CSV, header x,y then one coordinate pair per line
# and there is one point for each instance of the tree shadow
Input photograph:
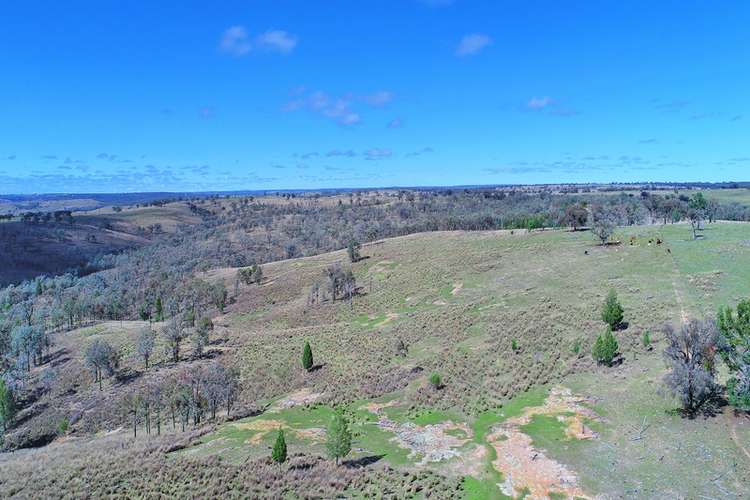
x,y
362,462
57,358
711,408
209,354
29,413
125,377
317,367
303,466
623,325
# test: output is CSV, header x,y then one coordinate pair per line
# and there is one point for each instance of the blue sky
x,y
107,96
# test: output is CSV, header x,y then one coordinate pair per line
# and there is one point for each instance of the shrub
x,y
278,454
436,381
738,389
690,357
63,425
612,312
576,347
400,348
307,357
605,348
514,345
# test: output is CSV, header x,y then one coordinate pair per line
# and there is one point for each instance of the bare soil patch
x,y
432,442
526,468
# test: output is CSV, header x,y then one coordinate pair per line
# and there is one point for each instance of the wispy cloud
x,y
472,44
549,106
379,98
307,156
377,154
671,106
277,41
345,153
536,103
236,41
420,152
340,109
395,123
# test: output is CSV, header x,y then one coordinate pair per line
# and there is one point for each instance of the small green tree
x,y
646,339
201,335
144,312
7,405
251,274
612,312
307,357
605,348
735,351
436,381
145,344
159,310
353,251
102,359
278,454
338,438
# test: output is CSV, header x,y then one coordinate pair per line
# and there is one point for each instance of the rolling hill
x,y
506,318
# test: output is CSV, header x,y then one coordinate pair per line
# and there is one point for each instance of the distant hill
x,y
29,249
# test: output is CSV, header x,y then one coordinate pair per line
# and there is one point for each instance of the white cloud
x,y
235,41
277,41
472,44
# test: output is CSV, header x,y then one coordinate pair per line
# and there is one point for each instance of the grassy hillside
x,y
507,319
